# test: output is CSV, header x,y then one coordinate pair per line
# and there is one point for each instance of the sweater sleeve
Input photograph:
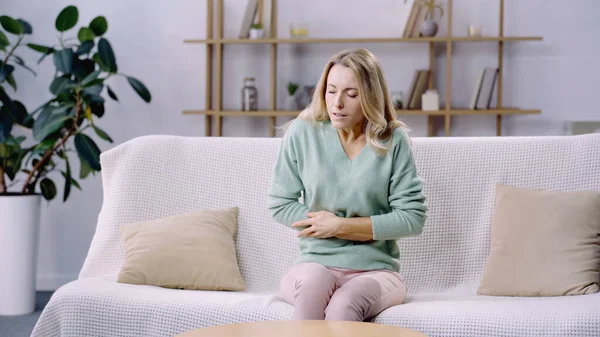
x,y
409,208
286,186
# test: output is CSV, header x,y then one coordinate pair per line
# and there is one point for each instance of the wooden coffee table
x,y
303,328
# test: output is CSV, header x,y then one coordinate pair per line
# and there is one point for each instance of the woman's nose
x,y
338,103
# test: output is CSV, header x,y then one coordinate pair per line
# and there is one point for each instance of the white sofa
x,y
158,176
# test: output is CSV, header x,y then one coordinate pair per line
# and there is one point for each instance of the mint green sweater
x,y
312,163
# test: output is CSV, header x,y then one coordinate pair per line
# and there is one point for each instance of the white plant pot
x,y
256,33
291,103
19,237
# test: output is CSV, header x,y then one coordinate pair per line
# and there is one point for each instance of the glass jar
x,y
249,95
298,30
398,99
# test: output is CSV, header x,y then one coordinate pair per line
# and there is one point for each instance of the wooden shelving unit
x,y
214,51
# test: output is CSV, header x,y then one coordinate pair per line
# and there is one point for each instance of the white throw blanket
x,y
158,176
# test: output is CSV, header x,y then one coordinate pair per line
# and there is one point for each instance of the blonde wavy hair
x,y
375,100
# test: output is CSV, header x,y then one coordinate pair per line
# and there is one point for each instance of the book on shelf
x,y
257,11
484,88
248,19
418,86
416,16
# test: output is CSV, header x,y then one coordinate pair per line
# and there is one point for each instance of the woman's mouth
x,y
338,115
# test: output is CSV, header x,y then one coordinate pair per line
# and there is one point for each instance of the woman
x,y
351,159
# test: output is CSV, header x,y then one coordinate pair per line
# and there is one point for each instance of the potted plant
x,y
291,102
59,127
256,31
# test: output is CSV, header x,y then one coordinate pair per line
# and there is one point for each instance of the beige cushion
x,y
544,243
188,251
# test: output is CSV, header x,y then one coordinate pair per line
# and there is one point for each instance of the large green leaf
x,y
68,179
48,189
63,60
11,25
107,55
4,39
20,115
112,93
84,169
88,151
89,78
6,101
5,71
15,161
97,108
40,48
85,47
94,92
6,123
140,88
102,134
99,25
26,27
67,18
82,68
61,84
96,84
73,181
11,81
85,34
4,150
49,121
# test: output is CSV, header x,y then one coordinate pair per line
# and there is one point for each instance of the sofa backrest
x,y
158,176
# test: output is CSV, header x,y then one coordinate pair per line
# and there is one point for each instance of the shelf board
x,y
495,38
288,113
261,113
503,111
367,40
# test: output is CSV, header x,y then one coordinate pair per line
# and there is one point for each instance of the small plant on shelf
x,y
292,87
291,102
256,31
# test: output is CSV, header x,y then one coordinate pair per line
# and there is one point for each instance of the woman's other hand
x,y
320,224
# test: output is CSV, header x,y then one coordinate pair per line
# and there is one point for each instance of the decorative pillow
x,y
188,251
544,243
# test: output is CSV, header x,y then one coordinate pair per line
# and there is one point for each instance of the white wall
x,y
556,75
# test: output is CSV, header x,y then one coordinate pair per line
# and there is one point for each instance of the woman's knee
x,y
310,278
365,297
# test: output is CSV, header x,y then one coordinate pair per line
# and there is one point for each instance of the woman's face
x,y
341,97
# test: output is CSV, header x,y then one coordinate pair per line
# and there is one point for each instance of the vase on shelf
x,y
429,27
291,101
430,100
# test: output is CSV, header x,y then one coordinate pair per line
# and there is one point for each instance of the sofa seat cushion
x,y
102,307
464,314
